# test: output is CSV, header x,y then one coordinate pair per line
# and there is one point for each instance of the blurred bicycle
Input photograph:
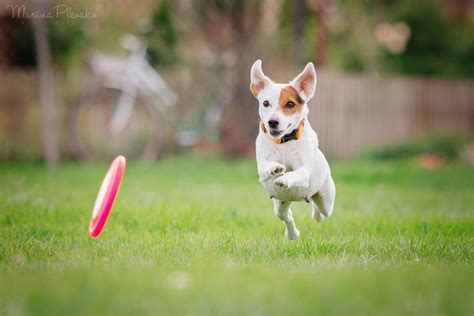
x,y
124,107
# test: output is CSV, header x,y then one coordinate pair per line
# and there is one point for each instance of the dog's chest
x,y
290,155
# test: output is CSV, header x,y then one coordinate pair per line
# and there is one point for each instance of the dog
x,y
291,167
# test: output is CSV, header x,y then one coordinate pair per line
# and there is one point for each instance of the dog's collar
x,y
294,135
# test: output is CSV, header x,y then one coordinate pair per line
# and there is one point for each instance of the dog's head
x,y
282,106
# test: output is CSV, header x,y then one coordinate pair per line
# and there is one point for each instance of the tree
x,y
299,16
46,84
230,26
322,11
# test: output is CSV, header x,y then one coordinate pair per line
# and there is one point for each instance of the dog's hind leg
x,y
323,201
316,213
283,212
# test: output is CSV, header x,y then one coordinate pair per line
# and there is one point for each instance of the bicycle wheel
x,y
90,137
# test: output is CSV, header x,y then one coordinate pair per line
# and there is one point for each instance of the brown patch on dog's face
x,y
290,101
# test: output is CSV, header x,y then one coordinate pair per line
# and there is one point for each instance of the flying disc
x,y
107,193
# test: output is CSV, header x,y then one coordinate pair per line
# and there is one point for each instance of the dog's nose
x,y
273,123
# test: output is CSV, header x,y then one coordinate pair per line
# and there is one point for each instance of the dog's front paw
x,y
273,170
278,170
282,182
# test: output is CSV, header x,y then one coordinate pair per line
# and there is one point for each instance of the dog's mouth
x,y
275,132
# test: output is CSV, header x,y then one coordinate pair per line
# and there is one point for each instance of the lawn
x,y
197,235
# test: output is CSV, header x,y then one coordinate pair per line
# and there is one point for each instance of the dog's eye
x,y
290,104
266,103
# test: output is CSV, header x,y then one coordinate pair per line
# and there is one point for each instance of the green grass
x,y
197,235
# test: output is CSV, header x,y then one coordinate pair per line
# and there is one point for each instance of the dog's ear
x,y
305,82
258,80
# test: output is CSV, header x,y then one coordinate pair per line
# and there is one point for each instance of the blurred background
x,y
167,81
92,79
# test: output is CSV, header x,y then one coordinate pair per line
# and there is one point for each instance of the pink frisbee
x,y
107,193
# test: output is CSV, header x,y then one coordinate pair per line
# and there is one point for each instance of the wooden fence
x,y
354,112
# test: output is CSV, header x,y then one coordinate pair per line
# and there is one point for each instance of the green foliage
x,y
345,52
67,38
438,45
448,146
285,24
163,37
285,31
197,235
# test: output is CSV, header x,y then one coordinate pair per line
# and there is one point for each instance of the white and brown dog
x,y
290,165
